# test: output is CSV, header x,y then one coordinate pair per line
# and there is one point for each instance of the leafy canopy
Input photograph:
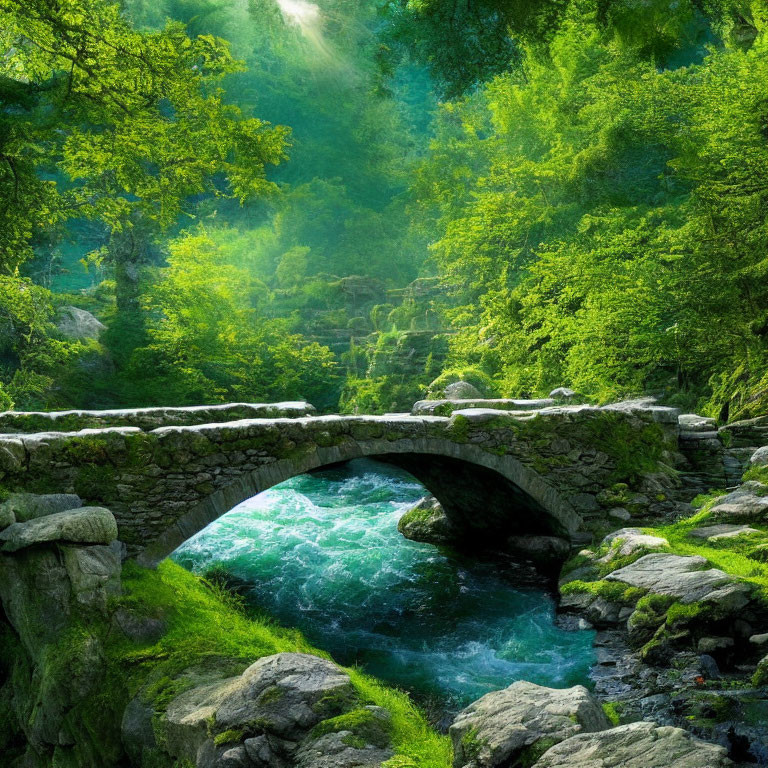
x,y
98,119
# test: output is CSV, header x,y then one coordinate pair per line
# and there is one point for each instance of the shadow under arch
x,y
483,493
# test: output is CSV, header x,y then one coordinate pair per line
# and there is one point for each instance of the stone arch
x,y
508,496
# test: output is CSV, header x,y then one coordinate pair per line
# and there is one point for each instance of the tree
x,y
135,122
601,222
208,343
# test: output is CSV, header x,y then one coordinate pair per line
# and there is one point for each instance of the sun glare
x,y
299,11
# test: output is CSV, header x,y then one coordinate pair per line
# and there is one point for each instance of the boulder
x,y
637,745
761,673
88,525
494,730
363,743
138,732
759,641
600,611
287,710
760,457
462,390
55,597
6,516
78,324
692,422
94,574
723,531
629,541
712,645
426,521
28,506
749,502
294,684
540,550
686,578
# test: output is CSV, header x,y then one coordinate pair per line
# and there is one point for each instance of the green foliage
x,y
583,204
595,171
466,43
206,342
135,120
477,378
31,357
102,122
471,744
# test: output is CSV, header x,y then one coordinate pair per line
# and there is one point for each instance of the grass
x,y
729,555
204,622
737,556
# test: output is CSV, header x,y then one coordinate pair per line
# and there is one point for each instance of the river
x,y
322,552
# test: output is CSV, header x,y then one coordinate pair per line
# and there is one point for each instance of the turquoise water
x,y
322,552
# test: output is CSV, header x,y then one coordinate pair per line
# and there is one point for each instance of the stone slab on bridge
x,y
497,473
147,418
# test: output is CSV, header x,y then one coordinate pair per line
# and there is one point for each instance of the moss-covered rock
x,y
426,521
514,726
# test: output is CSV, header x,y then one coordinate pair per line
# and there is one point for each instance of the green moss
x,y
332,704
362,723
530,755
654,603
272,695
706,499
682,614
634,451
650,613
415,515
760,474
95,482
459,428
615,591
356,742
232,736
708,709
618,495
760,678
574,563
11,654
613,710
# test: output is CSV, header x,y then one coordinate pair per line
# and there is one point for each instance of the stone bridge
x,y
532,468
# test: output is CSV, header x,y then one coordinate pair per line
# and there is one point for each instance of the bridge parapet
x,y
496,472
16,422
